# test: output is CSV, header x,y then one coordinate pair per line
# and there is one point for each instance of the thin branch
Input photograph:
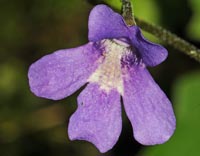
x,y
163,34
127,12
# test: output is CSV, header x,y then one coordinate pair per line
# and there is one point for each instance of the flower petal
x,y
104,23
58,75
98,118
151,54
147,107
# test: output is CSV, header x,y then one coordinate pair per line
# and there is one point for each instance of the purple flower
x,y
113,64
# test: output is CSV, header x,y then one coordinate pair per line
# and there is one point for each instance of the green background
x,y
32,126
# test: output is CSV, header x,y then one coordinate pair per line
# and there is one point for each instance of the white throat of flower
x,y
109,73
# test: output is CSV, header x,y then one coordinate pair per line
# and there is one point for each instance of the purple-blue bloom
x,y
113,64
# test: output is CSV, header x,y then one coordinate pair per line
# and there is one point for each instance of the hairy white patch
x,y
109,75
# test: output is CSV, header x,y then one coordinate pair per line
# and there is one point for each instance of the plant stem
x,y
127,12
161,33
171,39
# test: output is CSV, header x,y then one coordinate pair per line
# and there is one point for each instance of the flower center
x,y
109,73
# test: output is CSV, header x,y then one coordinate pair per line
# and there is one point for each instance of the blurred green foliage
x,y
30,29
194,24
139,6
